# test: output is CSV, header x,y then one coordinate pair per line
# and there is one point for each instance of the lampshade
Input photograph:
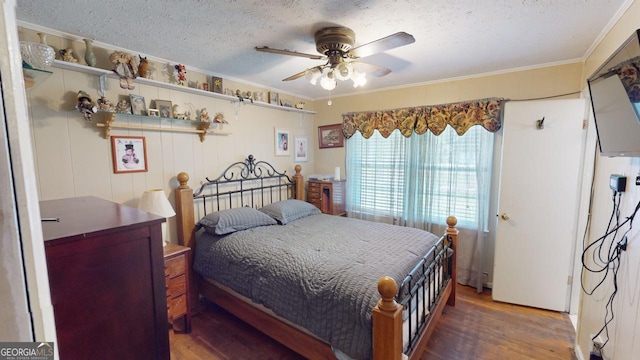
x,y
155,201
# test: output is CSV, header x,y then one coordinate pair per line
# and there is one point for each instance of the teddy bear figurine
x,y
67,55
125,67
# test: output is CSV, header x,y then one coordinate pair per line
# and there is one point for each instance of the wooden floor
x,y
476,328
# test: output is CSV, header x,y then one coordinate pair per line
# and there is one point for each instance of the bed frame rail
x,y
433,279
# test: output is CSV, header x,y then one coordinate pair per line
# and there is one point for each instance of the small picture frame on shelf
x,y
165,108
129,154
138,107
153,112
216,84
274,98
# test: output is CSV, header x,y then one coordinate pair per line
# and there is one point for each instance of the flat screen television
x,y
615,99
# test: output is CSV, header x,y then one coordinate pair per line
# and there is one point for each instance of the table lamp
x,y
154,201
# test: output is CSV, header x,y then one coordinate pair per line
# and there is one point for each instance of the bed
x,y
287,273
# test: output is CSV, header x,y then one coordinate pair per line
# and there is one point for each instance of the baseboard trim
x,y
578,352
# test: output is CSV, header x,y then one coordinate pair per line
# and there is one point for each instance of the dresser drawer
x,y
313,186
313,196
176,286
174,267
177,306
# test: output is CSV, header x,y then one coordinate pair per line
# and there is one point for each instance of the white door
x,y
537,210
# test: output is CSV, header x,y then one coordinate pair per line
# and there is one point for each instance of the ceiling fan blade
x,y
374,70
380,45
288,52
296,76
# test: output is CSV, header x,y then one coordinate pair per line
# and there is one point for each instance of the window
x,y
420,180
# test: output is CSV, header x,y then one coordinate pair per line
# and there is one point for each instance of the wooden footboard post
x,y
452,232
387,323
184,211
185,223
298,178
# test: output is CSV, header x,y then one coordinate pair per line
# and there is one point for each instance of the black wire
x,y
612,262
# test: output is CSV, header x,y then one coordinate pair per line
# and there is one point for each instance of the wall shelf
x,y
197,127
34,77
140,80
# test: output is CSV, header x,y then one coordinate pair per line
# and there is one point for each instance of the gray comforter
x,y
320,272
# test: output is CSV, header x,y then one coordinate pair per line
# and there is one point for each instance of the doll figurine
x,y
204,115
85,105
123,107
124,66
181,76
105,105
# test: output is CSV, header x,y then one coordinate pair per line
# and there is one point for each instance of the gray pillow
x,y
289,210
230,220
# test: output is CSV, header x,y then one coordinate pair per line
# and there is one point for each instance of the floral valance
x,y
461,116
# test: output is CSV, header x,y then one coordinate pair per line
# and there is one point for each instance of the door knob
x,y
504,216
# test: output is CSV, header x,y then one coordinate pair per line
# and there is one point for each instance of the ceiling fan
x,y
335,44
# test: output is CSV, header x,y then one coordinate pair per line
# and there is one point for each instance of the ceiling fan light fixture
x,y
328,82
313,75
343,71
358,78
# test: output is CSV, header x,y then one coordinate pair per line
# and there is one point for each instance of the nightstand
x,y
176,272
328,196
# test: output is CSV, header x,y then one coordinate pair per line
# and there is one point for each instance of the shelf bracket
x,y
103,84
236,108
203,129
108,120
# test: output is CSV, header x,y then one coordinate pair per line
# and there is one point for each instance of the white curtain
x,y
420,180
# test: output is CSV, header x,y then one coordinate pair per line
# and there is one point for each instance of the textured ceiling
x,y
454,38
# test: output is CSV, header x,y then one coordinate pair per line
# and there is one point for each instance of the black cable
x,y
612,262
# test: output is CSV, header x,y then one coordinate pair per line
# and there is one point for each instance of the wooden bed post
x,y
298,178
452,232
186,230
185,212
387,322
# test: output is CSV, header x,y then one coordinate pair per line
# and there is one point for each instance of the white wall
x,y
73,159
625,328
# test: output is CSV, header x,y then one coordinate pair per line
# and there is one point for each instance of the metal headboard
x,y
246,183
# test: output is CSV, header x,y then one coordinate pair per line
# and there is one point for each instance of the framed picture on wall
x,y
129,154
330,136
282,142
300,150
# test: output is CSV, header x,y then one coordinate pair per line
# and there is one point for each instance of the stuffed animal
x,y
144,70
181,76
124,66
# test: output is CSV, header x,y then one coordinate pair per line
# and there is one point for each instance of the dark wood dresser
x,y
107,280
328,196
